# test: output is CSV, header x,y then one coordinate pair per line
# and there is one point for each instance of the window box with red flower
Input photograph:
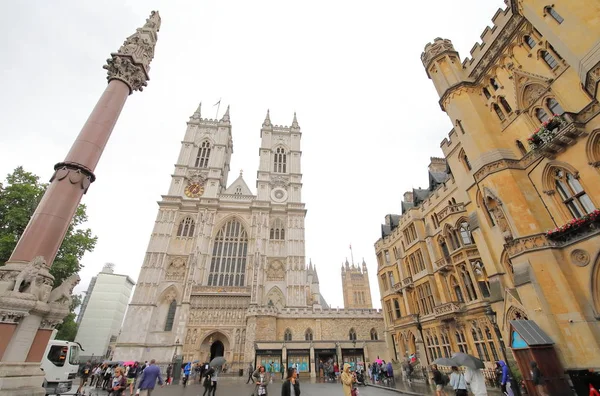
x,y
575,227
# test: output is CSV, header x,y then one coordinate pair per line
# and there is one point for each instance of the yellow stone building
x,y
495,227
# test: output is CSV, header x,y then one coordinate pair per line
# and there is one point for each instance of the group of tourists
x,y
140,379
380,372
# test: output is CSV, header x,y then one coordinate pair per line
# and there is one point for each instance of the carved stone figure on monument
x,y
25,280
62,294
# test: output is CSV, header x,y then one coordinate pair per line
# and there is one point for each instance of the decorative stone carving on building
x,y
61,295
176,270
528,243
25,281
276,271
580,257
432,50
131,63
77,174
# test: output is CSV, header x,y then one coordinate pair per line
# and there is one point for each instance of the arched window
x,y
466,277
481,278
444,248
486,93
490,339
455,287
238,191
397,308
466,161
308,335
461,341
352,335
499,112
549,59
445,345
374,335
465,233
505,105
541,115
229,255
480,344
171,316
572,193
521,147
287,336
529,41
186,228
277,230
203,155
494,84
554,107
555,15
280,161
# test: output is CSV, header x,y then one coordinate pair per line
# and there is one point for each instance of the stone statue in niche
x,y
188,336
195,336
25,280
62,294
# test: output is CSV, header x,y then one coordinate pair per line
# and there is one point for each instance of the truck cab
x,y
60,365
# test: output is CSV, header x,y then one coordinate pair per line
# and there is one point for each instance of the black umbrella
x,y
218,361
463,359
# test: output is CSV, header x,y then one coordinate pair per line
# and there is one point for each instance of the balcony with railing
x,y
408,283
449,210
555,135
405,320
444,265
448,310
397,287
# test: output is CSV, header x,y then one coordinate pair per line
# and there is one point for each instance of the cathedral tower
x,y
355,283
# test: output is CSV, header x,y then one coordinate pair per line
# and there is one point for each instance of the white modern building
x,y
102,311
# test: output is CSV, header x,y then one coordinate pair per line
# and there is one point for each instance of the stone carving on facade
x,y
176,270
11,316
531,93
432,50
61,295
276,272
580,257
593,76
25,281
131,63
280,181
197,176
529,243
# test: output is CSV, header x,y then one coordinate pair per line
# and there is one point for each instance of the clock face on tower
x,y
194,190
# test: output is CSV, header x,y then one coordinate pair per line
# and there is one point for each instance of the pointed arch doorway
x,y
216,349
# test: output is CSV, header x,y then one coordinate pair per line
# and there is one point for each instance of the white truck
x,y
60,365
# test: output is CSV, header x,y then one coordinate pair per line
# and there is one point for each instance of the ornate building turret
x,y
355,285
442,64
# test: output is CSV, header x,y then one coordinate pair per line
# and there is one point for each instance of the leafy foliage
x,y
19,196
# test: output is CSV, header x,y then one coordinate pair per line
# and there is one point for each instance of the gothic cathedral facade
x,y
225,268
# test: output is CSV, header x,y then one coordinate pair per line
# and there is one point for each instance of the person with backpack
x,y
439,379
84,373
476,381
538,379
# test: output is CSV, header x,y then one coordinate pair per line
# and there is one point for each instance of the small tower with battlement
x,y
442,64
355,285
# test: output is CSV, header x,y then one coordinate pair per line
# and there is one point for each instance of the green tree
x,y
19,196
67,330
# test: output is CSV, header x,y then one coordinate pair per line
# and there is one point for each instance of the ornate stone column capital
x,y
131,63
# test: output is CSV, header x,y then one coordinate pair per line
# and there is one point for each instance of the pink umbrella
x,y
379,361
129,363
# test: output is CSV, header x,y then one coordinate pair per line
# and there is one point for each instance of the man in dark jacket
x,y
84,373
438,380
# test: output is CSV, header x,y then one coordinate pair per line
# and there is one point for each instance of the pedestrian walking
x,y
291,385
262,379
458,382
538,379
250,372
169,373
132,375
150,375
476,381
119,383
84,373
438,380
347,380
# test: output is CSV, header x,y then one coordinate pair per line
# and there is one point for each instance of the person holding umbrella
x,y
476,381
458,382
209,385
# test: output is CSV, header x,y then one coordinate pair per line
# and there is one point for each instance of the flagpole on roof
x,y
351,255
218,104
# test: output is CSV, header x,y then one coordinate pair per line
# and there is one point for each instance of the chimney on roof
x,y
408,196
437,165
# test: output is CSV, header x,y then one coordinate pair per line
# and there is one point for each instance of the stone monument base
x,y
21,379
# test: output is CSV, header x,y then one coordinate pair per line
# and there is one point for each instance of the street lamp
x,y
493,318
420,328
177,362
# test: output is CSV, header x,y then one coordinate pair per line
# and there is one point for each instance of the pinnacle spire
x,y
295,122
267,121
198,113
225,117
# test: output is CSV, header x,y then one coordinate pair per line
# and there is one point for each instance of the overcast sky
x,y
351,70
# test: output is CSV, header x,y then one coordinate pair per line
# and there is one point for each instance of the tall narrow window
x,y
374,335
171,316
461,341
494,84
456,289
203,155
499,112
482,350
445,344
572,193
228,262
549,59
505,105
529,41
468,284
466,161
541,115
492,345
277,231
397,308
521,147
481,278
444,248
280,161
555,15
308,335
554,106
352,335
287,336
465,233
486,93
186,228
